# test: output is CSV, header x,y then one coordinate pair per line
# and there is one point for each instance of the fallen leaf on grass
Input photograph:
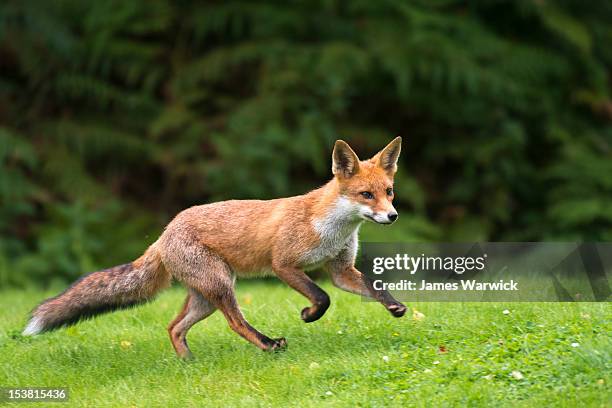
x,y
442,349
416,315
125,344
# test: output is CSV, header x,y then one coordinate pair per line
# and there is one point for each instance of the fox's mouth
x,y
369,217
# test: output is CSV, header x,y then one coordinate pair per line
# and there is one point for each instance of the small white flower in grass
x,y
436,362
575,345
314,365
517,375
386,359
506,312
427,370
339,331
329,393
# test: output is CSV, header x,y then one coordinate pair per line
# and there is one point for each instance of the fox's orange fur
x,y
207,246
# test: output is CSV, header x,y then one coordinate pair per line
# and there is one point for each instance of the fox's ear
x,y
344,160
387,157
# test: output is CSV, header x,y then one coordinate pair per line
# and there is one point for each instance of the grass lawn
x,y
470,354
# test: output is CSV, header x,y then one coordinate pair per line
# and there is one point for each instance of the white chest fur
x,y
337,231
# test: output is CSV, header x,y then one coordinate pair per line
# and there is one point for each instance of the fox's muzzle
x,y
383,218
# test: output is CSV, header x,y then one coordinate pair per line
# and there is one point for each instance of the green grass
x,y
338,360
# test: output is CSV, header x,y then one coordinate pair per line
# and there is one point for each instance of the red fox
x,y
205,247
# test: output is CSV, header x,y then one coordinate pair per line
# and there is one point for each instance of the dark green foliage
x,y
114,115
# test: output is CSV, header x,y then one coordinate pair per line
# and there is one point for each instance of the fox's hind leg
x,y
229,307
195,309
211,277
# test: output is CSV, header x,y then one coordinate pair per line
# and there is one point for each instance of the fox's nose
x,y
392,216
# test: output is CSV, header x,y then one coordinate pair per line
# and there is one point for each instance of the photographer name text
x,y
466,285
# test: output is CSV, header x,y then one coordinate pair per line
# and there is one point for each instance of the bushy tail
x,y
100,292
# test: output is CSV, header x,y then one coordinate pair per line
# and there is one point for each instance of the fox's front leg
x,y
299,281
346,277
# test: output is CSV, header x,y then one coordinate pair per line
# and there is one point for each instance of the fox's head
x,y
368,185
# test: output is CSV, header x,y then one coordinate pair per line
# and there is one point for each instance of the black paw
x,y
310,314
397,309
318,309
275,345
306,315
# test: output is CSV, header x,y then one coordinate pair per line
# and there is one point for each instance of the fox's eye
x,y
367,195
390,191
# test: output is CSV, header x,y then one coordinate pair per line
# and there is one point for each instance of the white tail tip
x,y
35,326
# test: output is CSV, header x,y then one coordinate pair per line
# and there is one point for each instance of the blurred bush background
x,y
115,115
